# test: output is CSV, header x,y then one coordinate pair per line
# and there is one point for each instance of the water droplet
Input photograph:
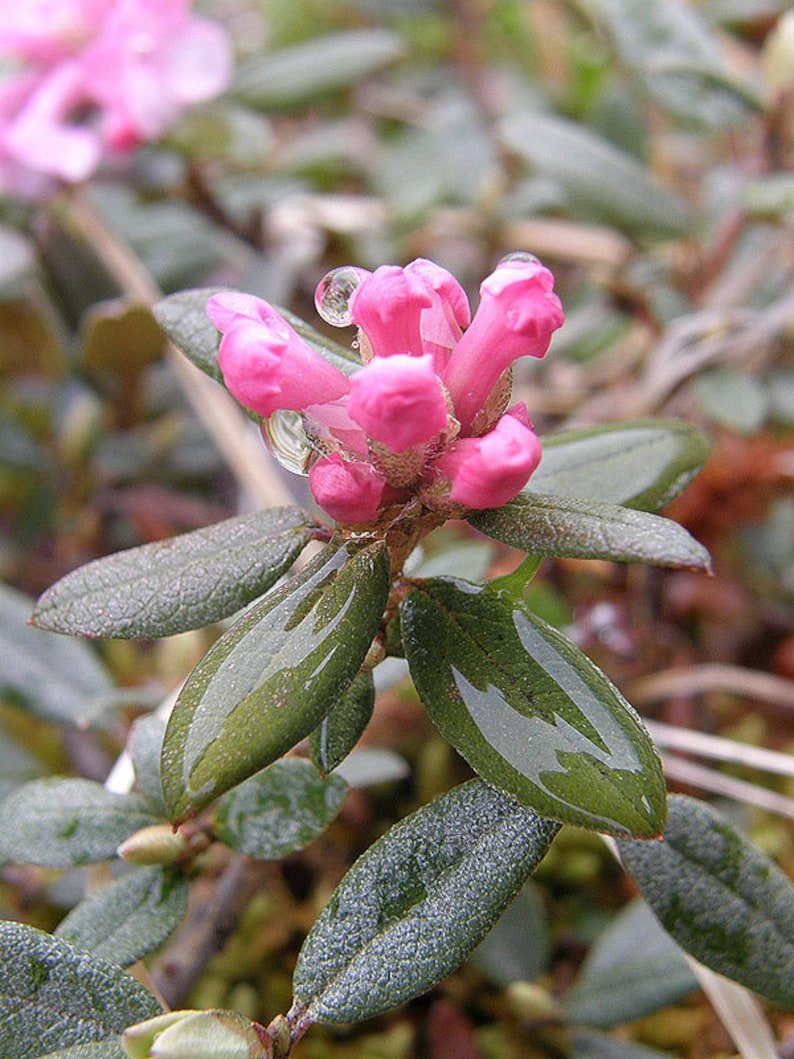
x,y
333,294
520,255
287,440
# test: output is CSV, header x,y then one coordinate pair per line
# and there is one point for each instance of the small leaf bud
x,y
156,845
187,1034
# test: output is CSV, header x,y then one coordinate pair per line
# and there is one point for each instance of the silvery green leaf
x,y
416,904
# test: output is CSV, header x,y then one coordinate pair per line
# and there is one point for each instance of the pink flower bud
x,y
387,306
265,364
518,313
349,492
492,469
441,325
398,401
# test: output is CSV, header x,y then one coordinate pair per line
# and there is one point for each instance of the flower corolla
x,y
425,418
85,78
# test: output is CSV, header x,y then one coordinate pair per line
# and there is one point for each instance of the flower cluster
x,y
427,415
87,77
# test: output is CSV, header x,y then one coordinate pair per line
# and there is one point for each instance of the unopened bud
x,y
157,844
188,1034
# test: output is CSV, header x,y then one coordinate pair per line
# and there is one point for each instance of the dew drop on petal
x,y
288,442
333,295
520,255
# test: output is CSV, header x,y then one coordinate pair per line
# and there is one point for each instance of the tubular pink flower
x,y
265,364
490,470
349,492
441,324
387,306
398,401
518,313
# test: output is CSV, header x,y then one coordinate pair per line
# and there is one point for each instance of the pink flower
x,y
265,364
398,401
349,492
490,470
43,31
518,313
387,307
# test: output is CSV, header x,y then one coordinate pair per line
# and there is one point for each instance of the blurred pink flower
x,y
424,416
95,76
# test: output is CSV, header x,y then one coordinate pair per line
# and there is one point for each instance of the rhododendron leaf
x,y
642,464
417,903
62,822
280,810
130,918
184,319
633,969
53,994
720,897
591,529
269,680
294,74
590,171
170,586
338,733
529,712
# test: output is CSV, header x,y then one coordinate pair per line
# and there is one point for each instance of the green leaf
x,y
586,1045
53,995
600,181
145,745
184,583
269,680
732,398
338,733
298,73
279,811
529,712
642,464
130,918
223,131
633,969
184,319
110,1048
61,680
591,529
59,823
720,897
519,946
416,904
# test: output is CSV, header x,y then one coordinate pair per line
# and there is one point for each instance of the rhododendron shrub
x,y
413,424
84,79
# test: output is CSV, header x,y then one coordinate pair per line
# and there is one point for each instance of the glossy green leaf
x,y
269,681
59,823
338,733
53,996
529,712
600,181
61,680
591,529
642,464
416,904
720,898
280,810
675,59
170,586
295,74
130,918
184,319
633,969
585,1045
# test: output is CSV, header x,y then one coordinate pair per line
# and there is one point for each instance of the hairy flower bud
x,y
349,492
398,401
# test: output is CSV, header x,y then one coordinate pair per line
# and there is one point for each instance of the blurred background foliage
x,y
644,151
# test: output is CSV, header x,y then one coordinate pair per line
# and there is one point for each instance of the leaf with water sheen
x,y
52,995
529,712
130,918
279,811
633,969
60,823
416,904
337,734
184,583
720,897
591,529
269,681
642,464
61,680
